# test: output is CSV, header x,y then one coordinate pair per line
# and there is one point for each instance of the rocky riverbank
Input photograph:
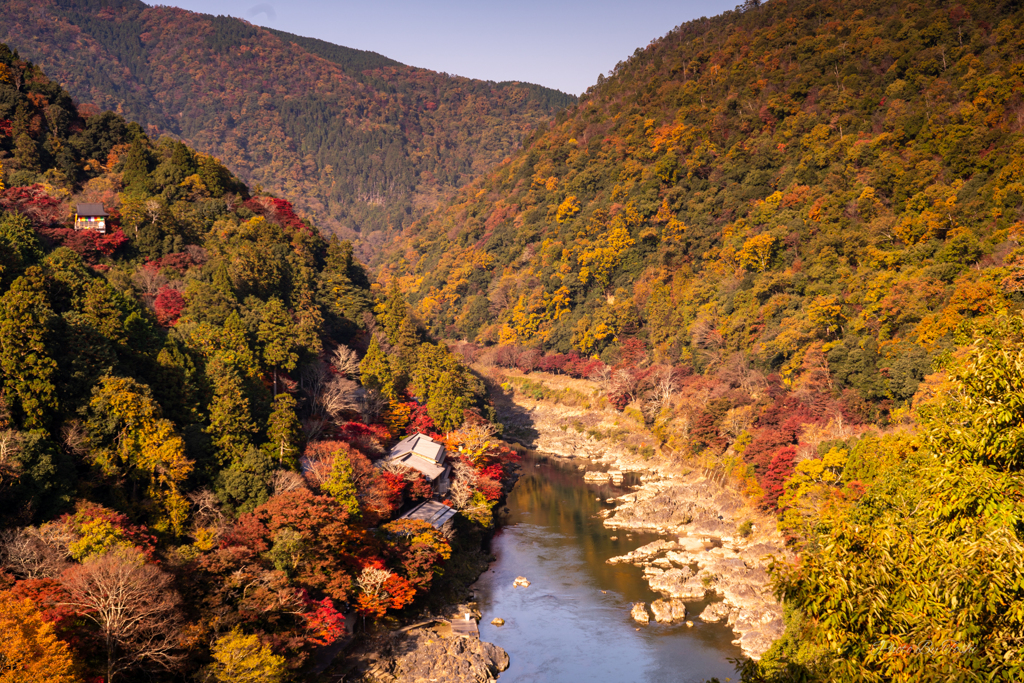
x,y
428,652
704,554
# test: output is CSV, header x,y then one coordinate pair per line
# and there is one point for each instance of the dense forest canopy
x,y
363,143
802,175
191,441
784,242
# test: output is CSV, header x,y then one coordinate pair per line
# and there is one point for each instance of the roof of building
x,y
420,444
430,511
91,210
421,453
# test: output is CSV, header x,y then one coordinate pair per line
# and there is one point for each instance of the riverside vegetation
x,y
790,236
785,240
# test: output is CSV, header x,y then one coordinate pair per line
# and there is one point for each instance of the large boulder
x,y
639,613
668,611
677,583
421,656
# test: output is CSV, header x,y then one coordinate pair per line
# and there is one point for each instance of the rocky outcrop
x,y
422,656
691,509
735,571
644,552
715,612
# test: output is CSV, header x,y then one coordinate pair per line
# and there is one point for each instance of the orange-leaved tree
x,y
29,650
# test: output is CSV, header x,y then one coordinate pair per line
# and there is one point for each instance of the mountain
x,y
792,233
795,176
359,141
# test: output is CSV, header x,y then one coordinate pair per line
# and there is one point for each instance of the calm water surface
x,y
572,623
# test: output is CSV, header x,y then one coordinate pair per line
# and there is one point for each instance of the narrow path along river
x,y
572,623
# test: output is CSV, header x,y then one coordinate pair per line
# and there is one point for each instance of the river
x,y
572,623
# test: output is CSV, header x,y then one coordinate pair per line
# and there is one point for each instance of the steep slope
x,y
361,142
177,401
796,175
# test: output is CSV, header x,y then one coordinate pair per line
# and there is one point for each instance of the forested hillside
x,y
792,234
361,142
191,481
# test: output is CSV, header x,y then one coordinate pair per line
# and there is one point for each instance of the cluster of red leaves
x,y
420,421
180,261
369,439
169,305
334,546
32,200
50,597
324,623
528,360
420,489
773,480
90,245
277,210
396,593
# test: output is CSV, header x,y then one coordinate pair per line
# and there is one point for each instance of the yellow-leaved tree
x,y
239,658
131,440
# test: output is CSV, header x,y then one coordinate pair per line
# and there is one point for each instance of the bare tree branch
x,y
134,605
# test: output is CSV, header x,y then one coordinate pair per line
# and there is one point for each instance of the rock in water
x,y
498,621
678,609
668,611
520,581
639,613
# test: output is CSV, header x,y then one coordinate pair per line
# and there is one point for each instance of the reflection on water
x,y
572,623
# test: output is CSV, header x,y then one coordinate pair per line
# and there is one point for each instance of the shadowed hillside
x,y
360,141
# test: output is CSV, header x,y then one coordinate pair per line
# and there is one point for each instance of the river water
x,y
572,623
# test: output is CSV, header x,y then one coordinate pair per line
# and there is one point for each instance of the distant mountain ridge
x,y
359,141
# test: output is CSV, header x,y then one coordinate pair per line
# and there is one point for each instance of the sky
x,y
561,44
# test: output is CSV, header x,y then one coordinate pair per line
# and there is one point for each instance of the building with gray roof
x,y
426,456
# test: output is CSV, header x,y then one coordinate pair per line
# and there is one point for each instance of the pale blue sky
x,y
562,44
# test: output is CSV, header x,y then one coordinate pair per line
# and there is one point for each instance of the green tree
x,y
284,433
136,167
343,285
245,484
447,401
275,334
29,370
375,370
401,332
26,154
19,245
232,426
339,484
